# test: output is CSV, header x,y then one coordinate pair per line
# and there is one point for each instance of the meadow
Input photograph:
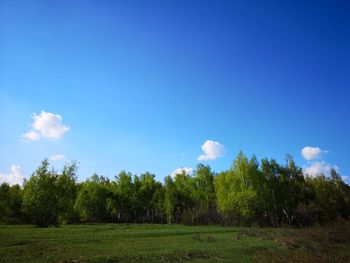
x,y
172,243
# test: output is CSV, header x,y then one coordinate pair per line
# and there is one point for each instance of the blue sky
x,y
142,85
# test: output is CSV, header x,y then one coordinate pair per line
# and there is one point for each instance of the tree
x,y
224,190
11,203
236,189
169,200
250,192
125,188
203,193
291,183
40,198
91,199
245,195
145,190
270,190
67,192
184,201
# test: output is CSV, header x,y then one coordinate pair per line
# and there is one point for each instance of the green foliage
x,y
91,200
40,198
67,192
203,191
10,203
169,200
48,196
237,189
249,193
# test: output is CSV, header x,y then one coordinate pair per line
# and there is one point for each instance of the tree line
x,y
261,193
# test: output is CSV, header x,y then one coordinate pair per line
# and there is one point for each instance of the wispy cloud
x,y
57,157
31,136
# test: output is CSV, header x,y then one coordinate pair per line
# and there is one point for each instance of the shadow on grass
x,y
316,245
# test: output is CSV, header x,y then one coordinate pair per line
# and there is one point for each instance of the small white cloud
x,y
211,151
186,170
318,168
57,157
31,136
14,177
311,153
46,125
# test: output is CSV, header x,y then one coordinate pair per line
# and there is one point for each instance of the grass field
x,y
169,243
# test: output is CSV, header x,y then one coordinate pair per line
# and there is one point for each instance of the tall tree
x,y
203,193
67,192
40,198
170,199
91,199
11,203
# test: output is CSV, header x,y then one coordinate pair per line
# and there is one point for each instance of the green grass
x,y
146,243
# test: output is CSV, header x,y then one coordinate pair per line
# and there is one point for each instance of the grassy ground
x,y
168,243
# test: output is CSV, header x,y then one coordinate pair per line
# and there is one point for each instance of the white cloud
x,y
211,150
31,136
311,153
14,177
46,125
57,157
345,178
318,168
187,170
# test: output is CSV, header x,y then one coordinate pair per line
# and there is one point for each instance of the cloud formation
x,y
186,170
31,136
311,153
211,150
318,168
57,157
14,177
46,125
